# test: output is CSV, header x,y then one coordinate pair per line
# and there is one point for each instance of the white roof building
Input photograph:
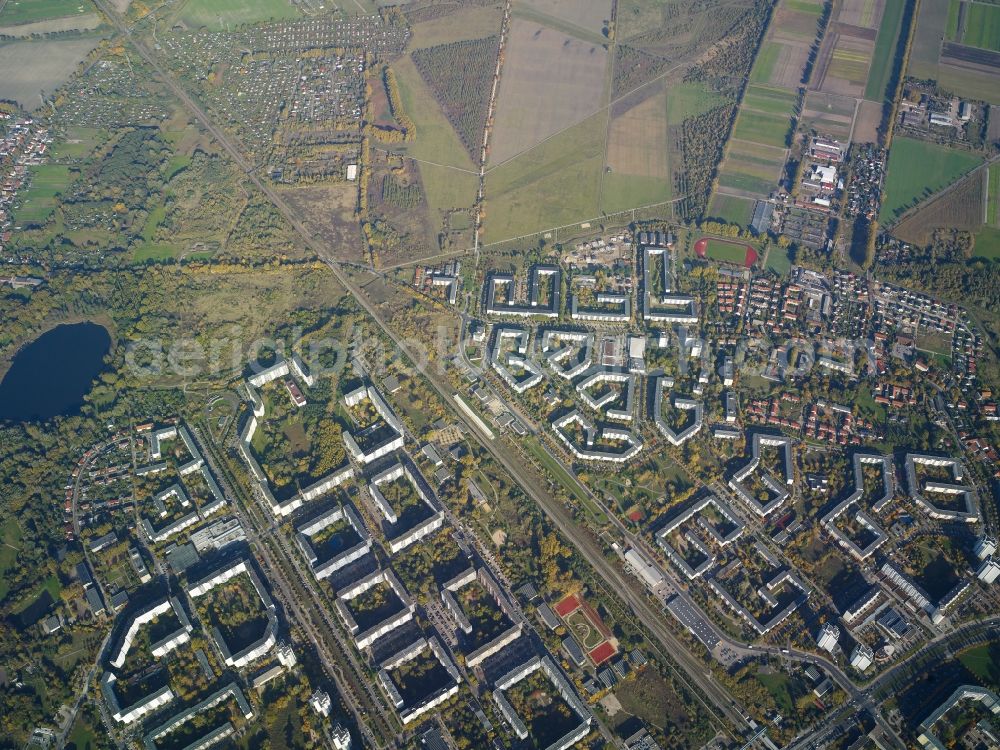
x,y
828,637
862,657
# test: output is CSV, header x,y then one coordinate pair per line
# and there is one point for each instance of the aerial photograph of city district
x,y
500,374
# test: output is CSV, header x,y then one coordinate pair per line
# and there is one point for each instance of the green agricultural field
x,y
763,66
993,196
15,12
917,170
762,128
554,184
220,14
951,30
738,180
47,182
804,6
769,100
982,28
731,209
885,47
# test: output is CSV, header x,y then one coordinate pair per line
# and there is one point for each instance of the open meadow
x,y
586,20
15,12
550,81
636,170
220,15
553,184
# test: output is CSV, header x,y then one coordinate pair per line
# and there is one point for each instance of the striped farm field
x,y
763,66
758,152
770,100
759,127
983,26
765,168
741,180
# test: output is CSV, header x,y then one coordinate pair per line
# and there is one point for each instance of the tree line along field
x,y
459,75
757,148
917,170
885,47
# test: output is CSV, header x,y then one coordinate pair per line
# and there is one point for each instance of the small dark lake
x,y
50,376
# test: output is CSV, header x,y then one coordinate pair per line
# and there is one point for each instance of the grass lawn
x,y
982,28
177,164
988,243
563,477
27,11
554,184
154,251
47,181
436,140
155,218
80,142
984,662
218,14
652,700
778,261
726,252
759,127
917,170
731,209
446,171
82,736
885,46
779,686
